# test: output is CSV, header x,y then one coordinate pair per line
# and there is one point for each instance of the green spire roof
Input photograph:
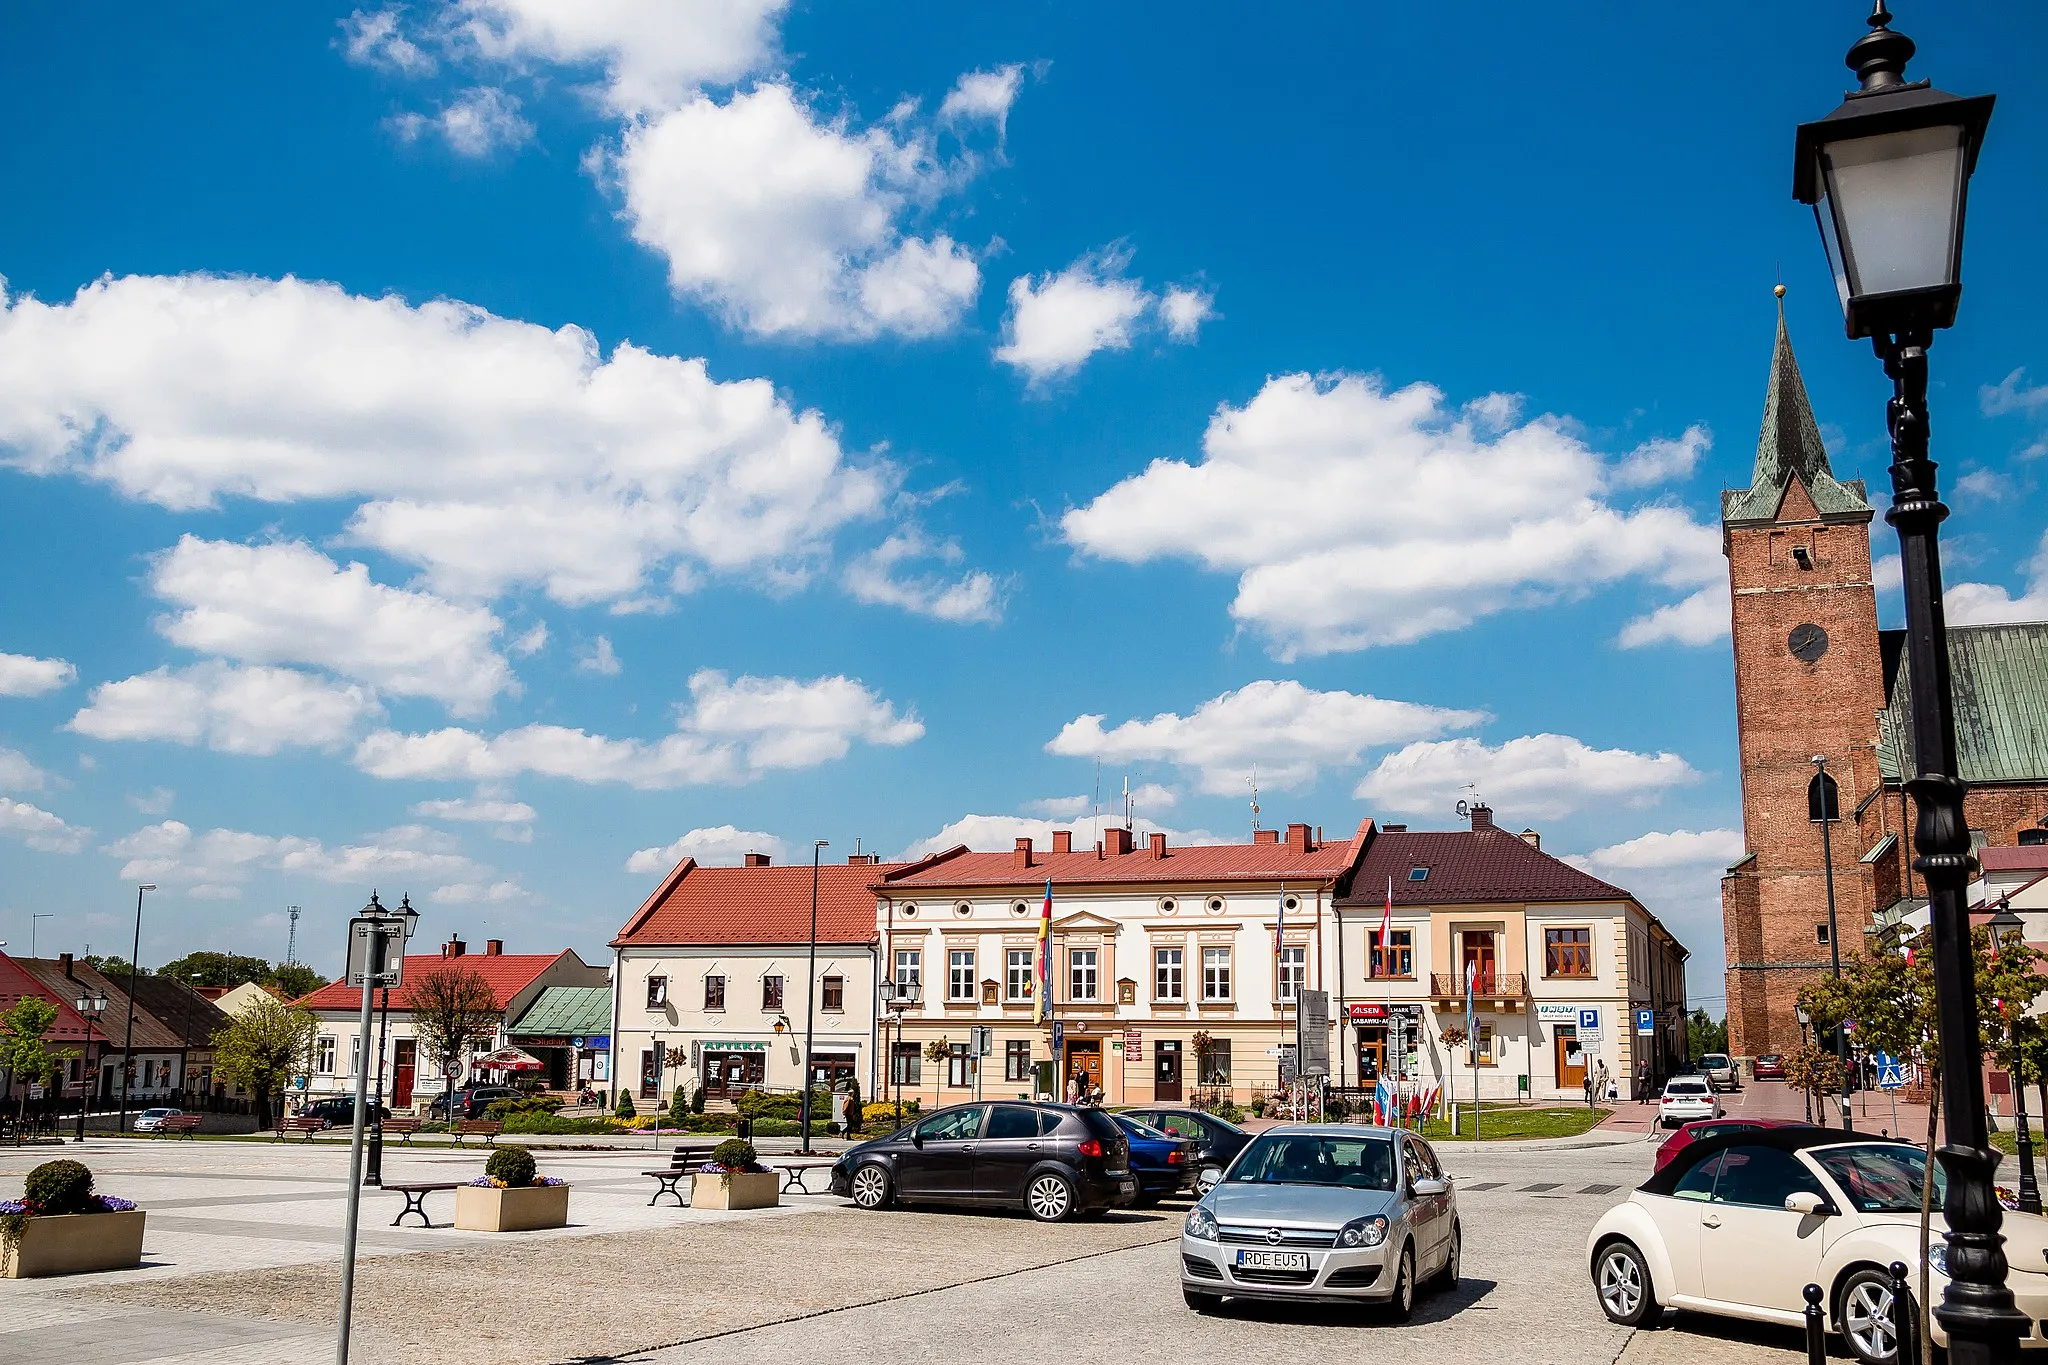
x,y
1790,445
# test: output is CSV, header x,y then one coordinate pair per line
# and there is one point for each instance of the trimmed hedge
x,y
60,1186
545,1125
512,1164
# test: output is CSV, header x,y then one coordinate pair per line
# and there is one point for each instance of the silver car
x,y
1330,1213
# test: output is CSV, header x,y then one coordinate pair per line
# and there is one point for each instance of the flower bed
x,y
734,1178
510,1197
60,1227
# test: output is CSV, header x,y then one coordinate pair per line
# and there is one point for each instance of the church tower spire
x,y
1788,447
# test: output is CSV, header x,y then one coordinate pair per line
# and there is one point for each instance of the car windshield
x,y
1141,1130
1714,1060
1686,1088
1882,1177
1309,1159
1770,1057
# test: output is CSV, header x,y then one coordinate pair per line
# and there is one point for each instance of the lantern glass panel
x,y
1894,204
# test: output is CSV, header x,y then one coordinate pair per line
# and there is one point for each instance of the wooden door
x,y
1086,1058
1479,952
1166,1070
1372,1054
403,1066
1571,1058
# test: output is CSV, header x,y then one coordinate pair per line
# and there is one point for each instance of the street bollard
x,y
1905,1319
1816,1328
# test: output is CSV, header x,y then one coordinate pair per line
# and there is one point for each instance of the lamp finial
x,y
1879,57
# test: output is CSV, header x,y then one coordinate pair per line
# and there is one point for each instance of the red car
x,y
1699,1130
1769,1067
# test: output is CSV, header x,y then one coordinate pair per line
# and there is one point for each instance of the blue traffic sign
x,y
1589,1019
1646,1021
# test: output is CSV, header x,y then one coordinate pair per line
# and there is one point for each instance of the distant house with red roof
x,y
711,972
70,1032
515,979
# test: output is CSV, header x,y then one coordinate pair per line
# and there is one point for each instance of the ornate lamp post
x,y
128,1047
2008,930
1887,175
411,918
818,847
90,1005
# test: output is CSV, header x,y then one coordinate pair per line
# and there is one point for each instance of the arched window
x,y
2030,837
1821,802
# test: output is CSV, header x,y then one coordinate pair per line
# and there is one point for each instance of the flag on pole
x,y
1374,961
1383,1099
1471,1026
1280,921
1045,954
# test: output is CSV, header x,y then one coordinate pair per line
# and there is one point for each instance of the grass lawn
x,y
2007,1142
1511,1122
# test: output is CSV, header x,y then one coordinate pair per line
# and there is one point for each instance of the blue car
x,y
1164,1164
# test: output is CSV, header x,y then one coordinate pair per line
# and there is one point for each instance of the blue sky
x,y
466,449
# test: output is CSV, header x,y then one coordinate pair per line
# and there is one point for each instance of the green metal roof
x,y
568,1010
1790,444
2001,703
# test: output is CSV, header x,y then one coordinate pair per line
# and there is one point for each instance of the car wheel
x,y
1401,1307
871,1187
1447,1278
1050,1198
1200,1302
1621,1277
1865,1314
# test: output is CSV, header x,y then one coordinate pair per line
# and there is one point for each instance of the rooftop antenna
x,y
1095,803
1255,803
1127,800
291,939
856,846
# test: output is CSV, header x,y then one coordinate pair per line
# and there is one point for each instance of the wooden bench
x,y
181,1125
404,1125
300,1123
487,1129
795,1168
685,1160
416,1199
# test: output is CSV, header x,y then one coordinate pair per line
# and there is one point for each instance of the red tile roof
x,y
2021,859
150,1032
757,905
1261,862
1482,865
17,983
507,974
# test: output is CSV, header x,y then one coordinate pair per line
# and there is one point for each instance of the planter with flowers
x,y
60,1227
509,1197
734,1178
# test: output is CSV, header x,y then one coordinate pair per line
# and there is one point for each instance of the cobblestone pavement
x,y
240,1265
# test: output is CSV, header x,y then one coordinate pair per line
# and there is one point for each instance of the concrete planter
x,y
740,1190
479,1208
73,1244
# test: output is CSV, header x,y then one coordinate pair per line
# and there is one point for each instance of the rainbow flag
x,y
1045,955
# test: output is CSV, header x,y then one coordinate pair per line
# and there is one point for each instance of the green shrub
x,y
58,1187
759,1104
679,1106
512,1164
710,1123
534,1104
735,1155
555,1125
777,1128
625,1109
831,1128
697,1100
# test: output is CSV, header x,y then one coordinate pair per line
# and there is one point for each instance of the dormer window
x,y
1418,874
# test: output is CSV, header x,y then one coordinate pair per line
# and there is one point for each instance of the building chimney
x,y
1158,842
1482,816
64,961
494,947
1063,841
863,859
1297,838
1533,839
1393,829
1265,836
454,947
1022,857
1116,841
757,860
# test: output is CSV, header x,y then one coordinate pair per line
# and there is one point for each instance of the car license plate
x,y
1127,1186
1272,1260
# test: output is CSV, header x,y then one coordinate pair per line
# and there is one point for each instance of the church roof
x,y
1789,445
2000,681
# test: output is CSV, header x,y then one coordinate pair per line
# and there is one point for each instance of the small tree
x,y
208,968
453,1010
1704,1034
263,1047
295,979
1817,1071
23,1054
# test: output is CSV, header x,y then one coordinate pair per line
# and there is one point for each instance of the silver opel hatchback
x,y
1330,1213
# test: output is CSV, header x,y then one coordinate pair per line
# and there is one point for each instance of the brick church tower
x,y
1808,681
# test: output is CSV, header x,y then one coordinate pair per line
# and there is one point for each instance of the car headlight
x,y
1363,1232
1201,1224
1937,1256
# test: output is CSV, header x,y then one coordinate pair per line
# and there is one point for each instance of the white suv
x,y
1687,1098
1719,1069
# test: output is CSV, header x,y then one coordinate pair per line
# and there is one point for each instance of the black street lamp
x,y
818,847
1887,175
90,1005
2008,930
1826,808
128,1047
374,1176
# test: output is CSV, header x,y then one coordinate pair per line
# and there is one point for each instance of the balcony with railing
x,y
1487,985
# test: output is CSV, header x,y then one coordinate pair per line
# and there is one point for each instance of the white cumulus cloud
x,y
645,54
1289,731
476,123
712,846
599,658
881,576
238,710
1354,516
1533,777
39,829
1699,619
983,96
217,863
1662,849
1058,320
18,773
1983,604
23,675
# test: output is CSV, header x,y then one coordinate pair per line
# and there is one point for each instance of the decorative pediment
x,y
1086,921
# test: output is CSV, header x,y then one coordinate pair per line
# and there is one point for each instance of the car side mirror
x,y
1807,1204
916,1138
1428,1186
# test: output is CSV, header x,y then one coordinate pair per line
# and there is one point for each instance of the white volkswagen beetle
x,y
1740,1224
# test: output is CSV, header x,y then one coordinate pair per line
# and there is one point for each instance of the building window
x,y
650,1073
832,994
1568,952
1482,1048
2031,838
1081,973
960,974
1214,1063
1166,975
1017,973
1822,803
1017,1059
714,992
323,1055
959,1066
771,993
906,1064
908,962
355,1055
1820,934
1215,973
657,992
1293,972
1418,873
1395,957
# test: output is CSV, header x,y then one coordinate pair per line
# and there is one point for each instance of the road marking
x,y
1600,1189
1485,1185
1538,1189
